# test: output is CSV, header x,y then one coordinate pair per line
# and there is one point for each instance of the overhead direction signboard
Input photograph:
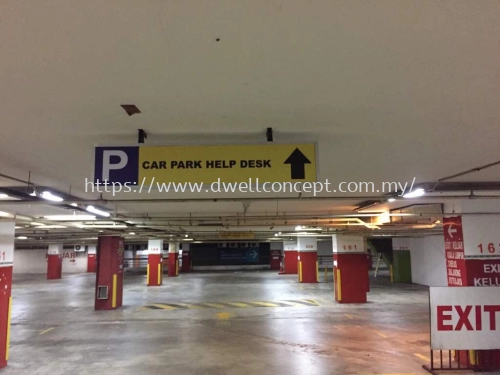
x,y
206,164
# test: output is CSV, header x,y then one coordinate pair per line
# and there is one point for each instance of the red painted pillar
x,y
466,239
155,263
109,273
7,231
91,255
186,258
54,262
275,255
350,269
308,259
290,260
173,259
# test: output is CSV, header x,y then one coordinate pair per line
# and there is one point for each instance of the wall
x,y
428,263
34,261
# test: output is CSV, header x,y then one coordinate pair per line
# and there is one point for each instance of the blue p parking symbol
x,y
116,164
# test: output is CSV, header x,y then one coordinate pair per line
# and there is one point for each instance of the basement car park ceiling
x,y
388,92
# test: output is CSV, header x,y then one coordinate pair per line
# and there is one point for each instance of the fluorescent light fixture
x,y
129,222
187,239
391,200
5,214
107,226
22,238
186,235
17,227
69,217
74,204
132,233
97,211
51,197
415,193
298,227
3,196
35,223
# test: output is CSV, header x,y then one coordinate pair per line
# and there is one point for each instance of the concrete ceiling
x,y
390,90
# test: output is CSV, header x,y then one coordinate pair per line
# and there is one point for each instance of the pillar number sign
x,y
307,244
155,246
466,318
348,244
481,236
290,245
7,231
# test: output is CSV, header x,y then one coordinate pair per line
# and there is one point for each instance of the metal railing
x,y
451,360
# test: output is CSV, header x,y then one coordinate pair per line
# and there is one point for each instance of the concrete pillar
x,y
186,258
350,269
155,263
472,248
173,259
276,249
401,265
308,259
7,233
109,273
290,260
54,262
91,254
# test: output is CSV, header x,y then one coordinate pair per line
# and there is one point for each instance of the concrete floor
x,y
56,331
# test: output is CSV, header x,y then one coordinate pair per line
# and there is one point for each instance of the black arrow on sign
x,y
297,161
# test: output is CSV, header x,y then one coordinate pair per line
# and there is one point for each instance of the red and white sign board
x,y
481,235
465,318
348,244
290,245
7,233
155,246
454,250
307,244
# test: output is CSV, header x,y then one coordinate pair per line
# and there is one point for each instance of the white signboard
x,y
481,234
401,243
348,244
55,249
307,244
155,246
92,249
7,233
465,318
290,246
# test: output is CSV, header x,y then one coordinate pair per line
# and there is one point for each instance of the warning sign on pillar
x,y
454,248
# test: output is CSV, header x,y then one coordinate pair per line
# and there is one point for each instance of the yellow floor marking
x,y
190,306
162,306
381,334
223,316
238,304
46,331
295,304
267,304
349,316
214,305
422,357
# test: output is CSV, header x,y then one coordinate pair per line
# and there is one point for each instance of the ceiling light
x,y
391,200
298,227
129,222
279,233
437,222
3,196
132,233
17,227
415,193
74,204
51,197
52,227
35,223
22,238
187,239
186,235
97,211
105,226
5,214
69,217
